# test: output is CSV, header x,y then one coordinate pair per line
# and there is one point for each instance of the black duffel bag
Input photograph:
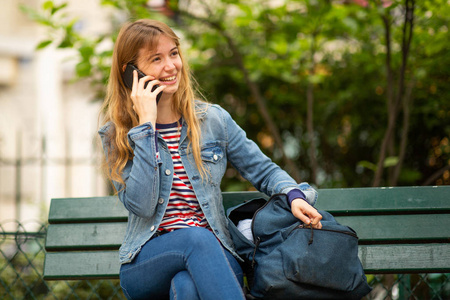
x,y
290,260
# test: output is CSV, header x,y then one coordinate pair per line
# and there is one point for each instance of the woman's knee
x,y
183,287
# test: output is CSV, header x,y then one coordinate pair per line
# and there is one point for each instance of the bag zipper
x,y
258,240
255,238
332,230
304,226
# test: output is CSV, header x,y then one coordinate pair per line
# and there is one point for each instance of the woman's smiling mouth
x,y
168,79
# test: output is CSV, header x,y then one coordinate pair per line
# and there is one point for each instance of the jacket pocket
x,y
213,157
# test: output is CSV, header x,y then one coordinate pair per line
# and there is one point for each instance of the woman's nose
x,y
169,65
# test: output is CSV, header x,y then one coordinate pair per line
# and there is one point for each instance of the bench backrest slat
x,y
110,209
394,200
85,236
95,209
337,201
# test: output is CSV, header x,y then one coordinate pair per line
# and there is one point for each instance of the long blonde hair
x,y
117,107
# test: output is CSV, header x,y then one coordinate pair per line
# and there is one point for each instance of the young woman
x,y
166,159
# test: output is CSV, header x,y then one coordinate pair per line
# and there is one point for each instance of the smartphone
x,y
128,79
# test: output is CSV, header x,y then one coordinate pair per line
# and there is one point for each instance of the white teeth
x,y
169,78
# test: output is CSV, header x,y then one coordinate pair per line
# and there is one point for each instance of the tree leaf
x,y
390,161
57,8
43,44
368,165
47,5
86,51
83,69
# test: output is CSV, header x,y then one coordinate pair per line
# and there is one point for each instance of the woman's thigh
x,y
150,274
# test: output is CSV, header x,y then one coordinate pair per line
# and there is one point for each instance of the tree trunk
x,y
402,96
390,107
310,115
407,103
394,102
310,128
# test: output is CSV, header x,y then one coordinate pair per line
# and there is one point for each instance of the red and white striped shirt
x,y
183,209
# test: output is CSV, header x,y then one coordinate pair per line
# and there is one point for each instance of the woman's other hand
x,y
303,211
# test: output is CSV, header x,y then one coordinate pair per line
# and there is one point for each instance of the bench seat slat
x,y
81,265
375,259
430,258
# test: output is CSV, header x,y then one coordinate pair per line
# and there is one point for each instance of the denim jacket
x,y
149,179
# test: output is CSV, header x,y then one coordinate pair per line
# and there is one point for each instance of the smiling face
x,y
163,63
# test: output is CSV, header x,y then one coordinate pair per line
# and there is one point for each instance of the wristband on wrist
x,y
295,194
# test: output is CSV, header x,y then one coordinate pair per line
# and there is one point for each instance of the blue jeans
x,y
184,264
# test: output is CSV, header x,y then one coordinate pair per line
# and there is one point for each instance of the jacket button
x,y
168,172
215,157
152,228
161,200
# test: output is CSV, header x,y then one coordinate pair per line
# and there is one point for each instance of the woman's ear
x,y
124,67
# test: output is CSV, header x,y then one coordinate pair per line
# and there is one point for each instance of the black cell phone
x,y
128,79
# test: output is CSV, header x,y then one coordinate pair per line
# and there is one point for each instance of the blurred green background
x,y
338,93
343,93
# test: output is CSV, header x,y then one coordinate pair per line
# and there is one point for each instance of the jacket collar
x,y
201,109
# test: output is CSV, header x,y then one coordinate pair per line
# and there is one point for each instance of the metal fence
x,y
22,263
22,260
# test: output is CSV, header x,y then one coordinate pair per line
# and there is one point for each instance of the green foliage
x,y
93,61
287,46
388,162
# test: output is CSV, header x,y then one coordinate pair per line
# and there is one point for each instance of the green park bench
x,y
402,230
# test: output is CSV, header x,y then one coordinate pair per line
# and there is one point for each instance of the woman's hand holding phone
x,y
144,99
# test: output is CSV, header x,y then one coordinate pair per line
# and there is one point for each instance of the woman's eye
x,y
156,59
174,53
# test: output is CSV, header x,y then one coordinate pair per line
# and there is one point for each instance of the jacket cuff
x,y
141,131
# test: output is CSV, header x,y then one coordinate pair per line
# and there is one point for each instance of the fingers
x,y
140,92
139,85
146,83
135,81
302,217
306,213
159,89
146,89
318,225
144,100
315,218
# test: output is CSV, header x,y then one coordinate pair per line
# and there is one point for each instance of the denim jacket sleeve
x,y
138,196
252,163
